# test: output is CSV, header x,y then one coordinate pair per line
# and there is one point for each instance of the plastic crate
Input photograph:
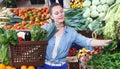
x,y
28,53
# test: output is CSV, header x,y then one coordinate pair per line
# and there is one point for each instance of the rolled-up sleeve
x,y
47,26
83,41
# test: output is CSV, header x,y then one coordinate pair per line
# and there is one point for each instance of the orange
x,y
31,67
2,66
8,67
13,68
23,67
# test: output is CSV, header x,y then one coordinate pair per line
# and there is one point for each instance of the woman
x,y
60,43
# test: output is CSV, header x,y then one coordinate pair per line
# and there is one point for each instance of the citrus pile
x,y
2,66
25,67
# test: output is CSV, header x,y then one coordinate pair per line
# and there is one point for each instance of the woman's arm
x,y
96,42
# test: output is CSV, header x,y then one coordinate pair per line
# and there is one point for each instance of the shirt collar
x,y
66,31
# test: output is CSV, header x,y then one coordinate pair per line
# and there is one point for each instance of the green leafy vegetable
x,y
38,33
7,37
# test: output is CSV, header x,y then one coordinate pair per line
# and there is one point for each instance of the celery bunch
x,y
112,19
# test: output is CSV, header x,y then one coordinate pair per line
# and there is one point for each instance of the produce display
x,y
23,18
13,37
32,14
19,23
102,17
14,24
5,12
90,16
76,21
110,56
7,37
24,25
112,20
4,16
2,66
38,33
96,8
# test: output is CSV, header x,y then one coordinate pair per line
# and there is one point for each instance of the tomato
x,y
72,52
17,13
20,39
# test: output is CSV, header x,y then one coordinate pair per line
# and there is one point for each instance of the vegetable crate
x,y
28,53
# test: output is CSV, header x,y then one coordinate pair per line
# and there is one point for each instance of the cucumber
x,y
111,46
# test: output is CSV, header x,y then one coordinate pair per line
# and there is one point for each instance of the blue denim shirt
x,y
69,36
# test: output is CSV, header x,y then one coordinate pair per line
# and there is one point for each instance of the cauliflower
x,y
86,3
105,7
94,14
95,2
99,8
109,2
86,13
117,1
102,1
89,19
93,7
101,15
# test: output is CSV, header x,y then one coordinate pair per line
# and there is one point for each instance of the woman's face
x,y
57,14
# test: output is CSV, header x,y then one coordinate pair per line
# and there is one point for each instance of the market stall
x,y
98,19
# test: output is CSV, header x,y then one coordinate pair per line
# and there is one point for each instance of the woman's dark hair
x,y
51,7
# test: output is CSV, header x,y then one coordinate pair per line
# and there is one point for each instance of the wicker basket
x,y
28,53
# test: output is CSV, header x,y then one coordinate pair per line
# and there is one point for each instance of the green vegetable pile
x,y
75,19
108,59
95,11
38,33
112,19
96,8
110,56
7,38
